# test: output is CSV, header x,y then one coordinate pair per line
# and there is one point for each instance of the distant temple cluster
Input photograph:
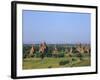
x,y
43,49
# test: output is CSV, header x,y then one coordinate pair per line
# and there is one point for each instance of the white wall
x,y
5,40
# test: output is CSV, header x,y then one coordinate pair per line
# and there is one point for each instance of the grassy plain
x,y
37,63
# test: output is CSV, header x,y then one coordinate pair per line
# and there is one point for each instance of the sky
x,y
55,27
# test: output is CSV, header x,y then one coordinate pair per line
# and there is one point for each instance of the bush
x,y
63,62
80,56
37,54
48,55
73,59
49,66
61,55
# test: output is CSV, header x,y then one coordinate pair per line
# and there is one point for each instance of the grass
x,y
37,63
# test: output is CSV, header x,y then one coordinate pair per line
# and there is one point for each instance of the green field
x,y
37,63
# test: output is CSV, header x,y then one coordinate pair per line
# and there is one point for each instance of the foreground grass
x,y
37,63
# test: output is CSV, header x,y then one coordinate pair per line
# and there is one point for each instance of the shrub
x,y
48,55
61,55
80,56
37,54
73,59
49,66
63,62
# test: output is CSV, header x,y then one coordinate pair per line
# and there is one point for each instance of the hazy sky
x,y
55,27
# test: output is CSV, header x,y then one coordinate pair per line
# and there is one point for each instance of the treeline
x,y
56,50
